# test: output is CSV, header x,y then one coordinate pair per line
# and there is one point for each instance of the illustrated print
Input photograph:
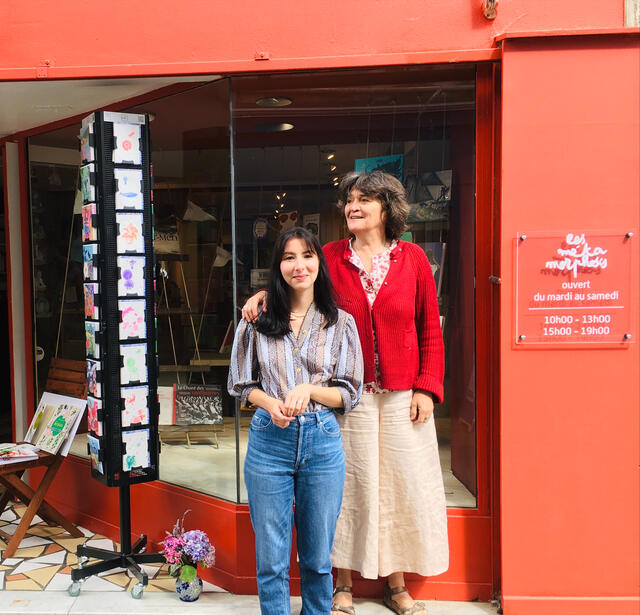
x,y
89,231
136,411
127,140
93,406
136,445
87,185
134,363
92,346
131,280
93,384
89,269
130,237
87,151
132,323
94,453
91,310
129,194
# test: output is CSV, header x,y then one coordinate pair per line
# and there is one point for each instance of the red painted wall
x,y
41,39
569,418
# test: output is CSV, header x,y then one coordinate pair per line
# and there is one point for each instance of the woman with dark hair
x,y
300,363
393,518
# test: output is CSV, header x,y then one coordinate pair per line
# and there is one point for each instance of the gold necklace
x,y
295,315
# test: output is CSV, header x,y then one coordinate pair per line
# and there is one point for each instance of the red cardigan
x,y
405,316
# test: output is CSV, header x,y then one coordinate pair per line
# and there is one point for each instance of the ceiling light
x,y
335,179
331,156
273,101
333,167
274,127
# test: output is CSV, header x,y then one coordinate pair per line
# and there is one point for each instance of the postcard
x,y
93,378
88,183
127,144
134,363
129,193
92,345
136,453
87,149
89,231
94,407
131,280
94,453
91,295
136,410
130,239
132,319
89,258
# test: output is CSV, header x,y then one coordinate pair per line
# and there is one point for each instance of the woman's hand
x,y
421,407
297,400
278,414
251,309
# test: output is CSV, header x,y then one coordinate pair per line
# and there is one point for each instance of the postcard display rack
x,y
120,324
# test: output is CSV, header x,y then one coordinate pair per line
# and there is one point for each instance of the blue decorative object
x,y
189,591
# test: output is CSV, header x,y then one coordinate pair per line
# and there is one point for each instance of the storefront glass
x,y
293,135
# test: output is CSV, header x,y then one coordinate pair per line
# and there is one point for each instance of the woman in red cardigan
x,y
393,517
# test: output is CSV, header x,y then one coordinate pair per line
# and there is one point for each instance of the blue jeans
x,y
305,463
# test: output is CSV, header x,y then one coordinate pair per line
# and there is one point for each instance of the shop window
x,y
294,134
6,419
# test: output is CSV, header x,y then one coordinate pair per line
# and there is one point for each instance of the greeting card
x,y
136,410
89,266
93,346
131,276
136,449
88,182
93,378
127,144
129,193
91,307
93,407
87,149
132,323
89,231
94,453
134,363
60,422
130,238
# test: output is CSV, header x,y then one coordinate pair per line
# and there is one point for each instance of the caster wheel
x,y
74,589
137,590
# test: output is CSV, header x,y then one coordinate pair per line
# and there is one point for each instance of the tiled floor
x,y
36,579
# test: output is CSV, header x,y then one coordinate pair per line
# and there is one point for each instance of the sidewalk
x,y
165,603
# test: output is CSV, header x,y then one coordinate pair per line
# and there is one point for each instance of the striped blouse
x,y
329,356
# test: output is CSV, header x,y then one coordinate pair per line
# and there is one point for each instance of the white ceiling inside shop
x,y
27,104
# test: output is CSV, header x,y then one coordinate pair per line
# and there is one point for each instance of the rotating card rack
x,y
120,324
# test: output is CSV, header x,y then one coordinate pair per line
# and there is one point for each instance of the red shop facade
x,y
516,131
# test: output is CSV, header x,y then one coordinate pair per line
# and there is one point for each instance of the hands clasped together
x,y
295,403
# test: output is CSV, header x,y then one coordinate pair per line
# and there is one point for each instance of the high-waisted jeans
x,y
303,463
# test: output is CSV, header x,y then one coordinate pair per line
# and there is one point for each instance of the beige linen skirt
x,y
393,516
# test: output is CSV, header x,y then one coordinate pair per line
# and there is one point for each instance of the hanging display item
x,y
118,267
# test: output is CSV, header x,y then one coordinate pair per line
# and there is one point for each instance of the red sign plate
x,y
574,288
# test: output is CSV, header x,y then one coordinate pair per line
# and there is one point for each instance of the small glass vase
x,y
189,591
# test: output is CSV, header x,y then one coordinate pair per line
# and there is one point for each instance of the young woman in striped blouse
x,y
299,363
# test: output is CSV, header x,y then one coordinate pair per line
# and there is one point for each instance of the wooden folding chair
x,y
65,377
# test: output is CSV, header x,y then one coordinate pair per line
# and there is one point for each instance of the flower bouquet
x,y
183,551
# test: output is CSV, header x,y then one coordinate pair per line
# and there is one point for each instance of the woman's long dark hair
x,y
275,321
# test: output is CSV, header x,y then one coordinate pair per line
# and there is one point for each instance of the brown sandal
x,y
390,603
349,610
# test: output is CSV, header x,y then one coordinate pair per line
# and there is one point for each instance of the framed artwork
x,y
127,144
130,239
312,223
134,363
131,276
197,404
136,445
132,322
135,409
394,165
129,189
94,407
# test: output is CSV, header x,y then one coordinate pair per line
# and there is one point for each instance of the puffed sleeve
x,y
244,375
348,371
